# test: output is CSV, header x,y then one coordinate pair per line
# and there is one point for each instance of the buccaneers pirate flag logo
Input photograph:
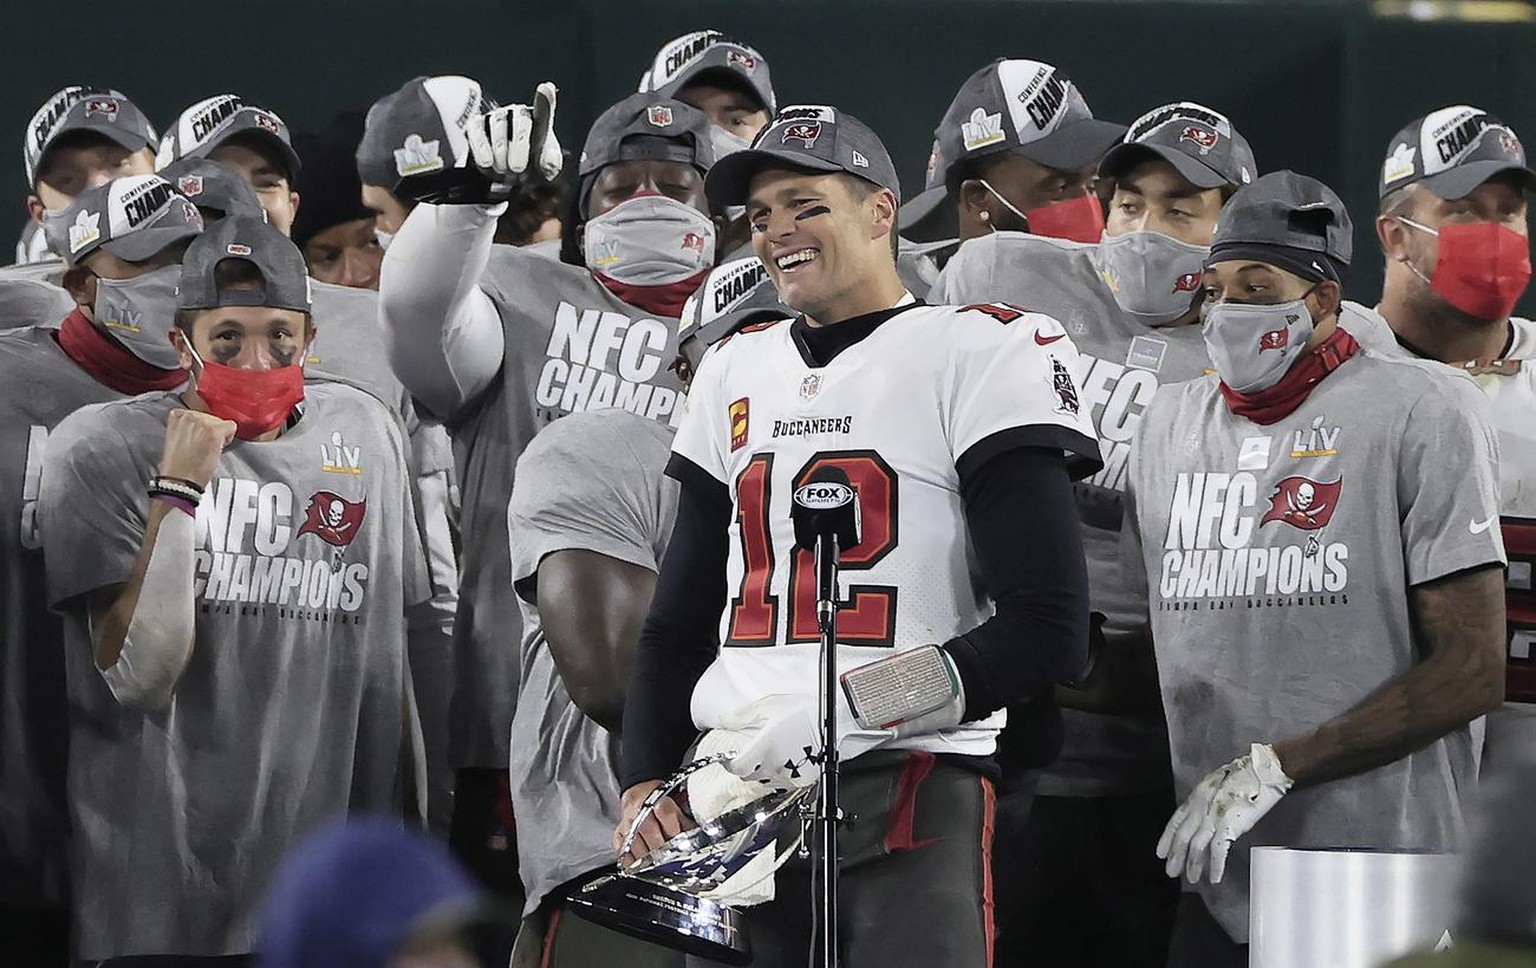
x,y
333,519
1303,503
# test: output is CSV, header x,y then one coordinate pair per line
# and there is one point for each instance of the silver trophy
x,y
664,897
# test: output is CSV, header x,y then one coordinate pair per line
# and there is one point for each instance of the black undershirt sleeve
x,y
1022,518
680,637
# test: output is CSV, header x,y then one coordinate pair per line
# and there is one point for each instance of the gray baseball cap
x,y
1452,151
1025,107
133,218
418,129
213,188
1199,142
211,122
1287,220
734,294
284,275
705,55
647,126
811,137
99,110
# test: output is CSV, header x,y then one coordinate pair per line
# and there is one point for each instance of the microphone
x,y
826,506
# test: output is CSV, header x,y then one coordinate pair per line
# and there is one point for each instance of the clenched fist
x,y
193,442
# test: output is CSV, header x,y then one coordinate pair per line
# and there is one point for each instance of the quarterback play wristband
x,y
891,692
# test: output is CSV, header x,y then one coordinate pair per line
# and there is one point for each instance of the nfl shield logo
x,y
810,386
190,185
659,114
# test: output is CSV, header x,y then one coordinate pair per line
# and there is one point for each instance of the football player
x,y
80,138
233,569
1313,525
960,430
115,343
1130,302
1454,225
498,342
590,517
1016,151
254,143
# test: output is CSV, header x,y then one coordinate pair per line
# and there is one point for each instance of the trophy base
x,y
665,916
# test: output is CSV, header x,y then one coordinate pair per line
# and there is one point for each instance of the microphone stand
x,y
828,809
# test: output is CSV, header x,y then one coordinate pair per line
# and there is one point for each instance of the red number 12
x,y
868,617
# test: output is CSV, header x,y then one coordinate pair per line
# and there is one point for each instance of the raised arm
x,y
442,331
142,631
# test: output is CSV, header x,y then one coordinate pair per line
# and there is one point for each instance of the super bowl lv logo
x,y
250,551
1231,540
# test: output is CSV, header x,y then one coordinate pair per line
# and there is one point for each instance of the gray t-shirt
x,y
571,346
31,295
39,386
290,709
1279,561
1122,362
590,482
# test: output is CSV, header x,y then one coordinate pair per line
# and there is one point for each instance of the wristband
x,y
176,487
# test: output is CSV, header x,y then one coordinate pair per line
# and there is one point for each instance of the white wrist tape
x,y
159,639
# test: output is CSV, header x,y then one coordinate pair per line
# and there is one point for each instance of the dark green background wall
x,y
1318,87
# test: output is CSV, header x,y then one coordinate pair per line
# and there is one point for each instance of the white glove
x,y
784,733
1224,806
504,140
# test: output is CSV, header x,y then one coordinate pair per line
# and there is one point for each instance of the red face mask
x,y
257,401
1482,268
1078,220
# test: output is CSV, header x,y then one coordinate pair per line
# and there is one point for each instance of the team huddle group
x,y
420,469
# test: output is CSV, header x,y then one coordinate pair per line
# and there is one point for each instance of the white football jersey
x,y
896,411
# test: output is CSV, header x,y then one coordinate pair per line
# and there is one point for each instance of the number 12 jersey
x,y
930,390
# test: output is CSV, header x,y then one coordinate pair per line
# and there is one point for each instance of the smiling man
x,y
233,570
245,137
960,430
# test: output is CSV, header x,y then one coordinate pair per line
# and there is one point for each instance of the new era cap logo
x,y
982,129
659,115
859,161
87,229
416,156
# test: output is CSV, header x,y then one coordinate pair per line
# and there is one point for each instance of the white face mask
x,y
1153,276
649,241
1253,345
384,237
139,313
725,143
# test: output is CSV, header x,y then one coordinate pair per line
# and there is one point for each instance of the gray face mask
x,y
139,313
651,240
724,143
1153,277
1251,345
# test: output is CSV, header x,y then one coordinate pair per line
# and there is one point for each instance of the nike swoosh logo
x,y
1047,340
1478,527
